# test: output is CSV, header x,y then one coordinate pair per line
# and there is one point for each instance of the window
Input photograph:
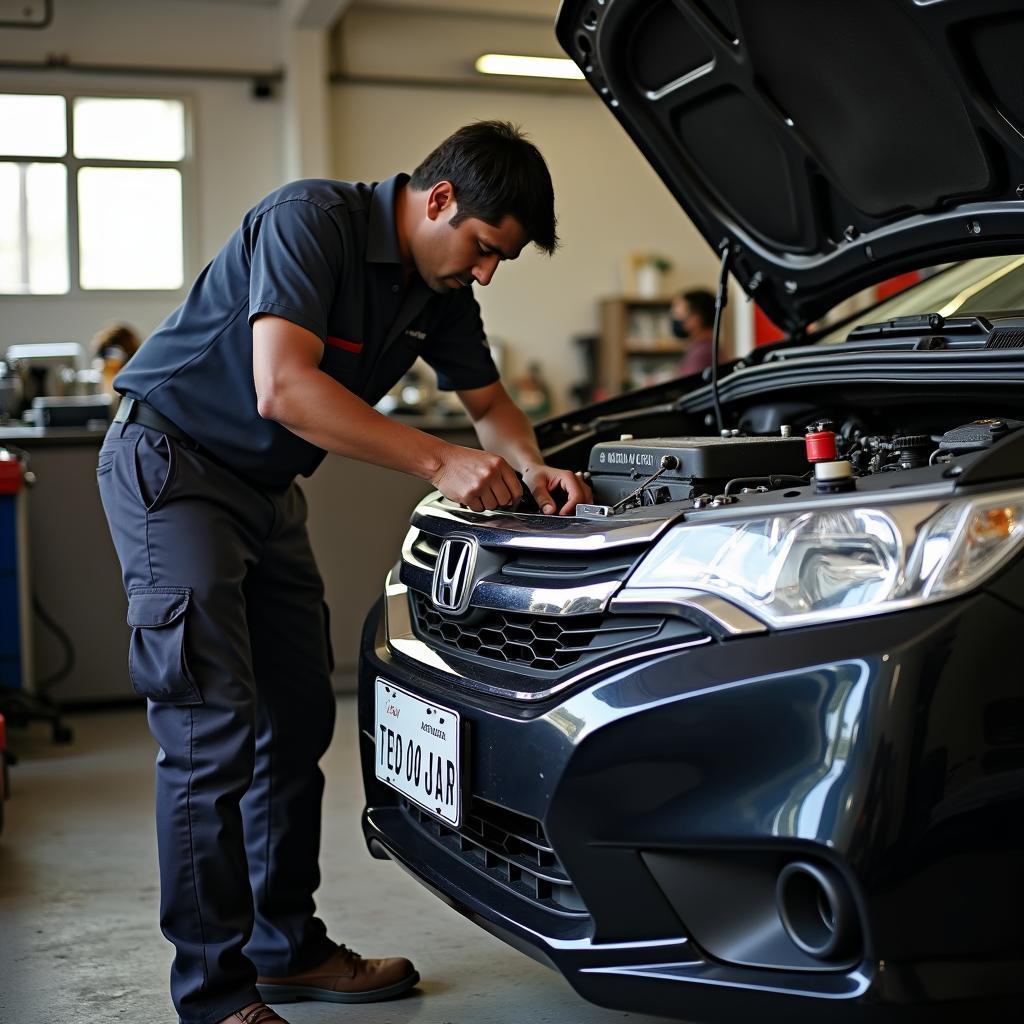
x,y
91,193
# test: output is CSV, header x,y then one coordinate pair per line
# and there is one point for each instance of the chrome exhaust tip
x,y
817,910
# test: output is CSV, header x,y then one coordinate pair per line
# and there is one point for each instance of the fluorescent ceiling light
x,y
529,67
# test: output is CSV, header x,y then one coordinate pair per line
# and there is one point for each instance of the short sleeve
x,y
296,262
457,350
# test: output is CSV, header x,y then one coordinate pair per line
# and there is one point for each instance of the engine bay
x,y
633,473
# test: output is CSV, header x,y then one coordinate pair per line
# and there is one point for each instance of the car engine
x,y
634,473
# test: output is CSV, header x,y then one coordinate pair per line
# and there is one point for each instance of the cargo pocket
x,y
156,653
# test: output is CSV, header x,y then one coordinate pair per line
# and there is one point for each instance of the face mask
x,y
679,330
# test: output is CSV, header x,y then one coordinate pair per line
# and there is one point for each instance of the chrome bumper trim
x,y
714,613
537,533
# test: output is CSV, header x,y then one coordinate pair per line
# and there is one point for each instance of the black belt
x,y
131,410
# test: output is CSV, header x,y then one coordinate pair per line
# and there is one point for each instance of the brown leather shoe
x,y
254,1013
344,977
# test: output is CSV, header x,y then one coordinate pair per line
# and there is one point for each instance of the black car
x,y
746,736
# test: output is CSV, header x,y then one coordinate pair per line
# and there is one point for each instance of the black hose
x,y
774,480
42,685
720,300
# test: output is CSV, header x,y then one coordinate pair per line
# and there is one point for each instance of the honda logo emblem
x,y
453,574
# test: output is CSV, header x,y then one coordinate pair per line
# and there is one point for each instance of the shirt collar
x,y
382,241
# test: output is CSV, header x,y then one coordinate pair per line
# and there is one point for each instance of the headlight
x,y
815,566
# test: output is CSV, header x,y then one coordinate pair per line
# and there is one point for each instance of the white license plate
x,y
419,750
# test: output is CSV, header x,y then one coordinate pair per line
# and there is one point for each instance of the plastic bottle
x,y
533,393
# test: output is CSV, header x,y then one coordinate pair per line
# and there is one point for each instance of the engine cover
x,y
701,464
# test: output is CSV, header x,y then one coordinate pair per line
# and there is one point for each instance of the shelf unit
x,y
633,329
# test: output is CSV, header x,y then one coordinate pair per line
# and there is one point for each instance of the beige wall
x,y
609,203
153,32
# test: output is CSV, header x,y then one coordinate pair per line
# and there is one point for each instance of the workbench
x,y
358,515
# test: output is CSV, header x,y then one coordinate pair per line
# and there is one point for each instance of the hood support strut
x,y
721,298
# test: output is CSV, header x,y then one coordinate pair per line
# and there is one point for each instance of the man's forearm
x,y
323,412
505,430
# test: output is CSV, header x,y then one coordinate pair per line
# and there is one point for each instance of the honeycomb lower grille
x,y
546,643
510,848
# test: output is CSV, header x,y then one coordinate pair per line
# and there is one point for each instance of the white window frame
x,y
186,166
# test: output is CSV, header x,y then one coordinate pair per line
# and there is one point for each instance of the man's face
x,y
449,257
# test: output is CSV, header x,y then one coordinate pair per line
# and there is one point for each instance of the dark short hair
x,y
116,336
702,302
495,171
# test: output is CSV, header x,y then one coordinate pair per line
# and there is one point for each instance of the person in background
x,y
693,319
111,348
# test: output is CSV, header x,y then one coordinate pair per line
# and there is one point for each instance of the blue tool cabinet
x,y
10,610
13,613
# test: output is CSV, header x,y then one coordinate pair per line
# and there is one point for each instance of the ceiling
x,y
438,41
540,9
426,41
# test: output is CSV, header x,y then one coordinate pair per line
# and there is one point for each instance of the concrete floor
x,y
79,938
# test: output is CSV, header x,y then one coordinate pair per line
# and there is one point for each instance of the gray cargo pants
x,y
229,645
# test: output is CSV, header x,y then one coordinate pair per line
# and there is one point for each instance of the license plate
x,y
419,750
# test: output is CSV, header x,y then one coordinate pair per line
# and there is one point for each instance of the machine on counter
x,y
47,385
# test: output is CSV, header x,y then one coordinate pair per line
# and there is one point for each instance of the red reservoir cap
x,y
821,446
10,473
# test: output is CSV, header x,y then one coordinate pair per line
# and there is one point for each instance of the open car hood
x,y
831,143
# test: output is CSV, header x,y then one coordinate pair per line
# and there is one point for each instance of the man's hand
x,y
542,480
478,480
502,427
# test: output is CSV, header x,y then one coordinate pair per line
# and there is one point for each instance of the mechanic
x,y
693,319
314,308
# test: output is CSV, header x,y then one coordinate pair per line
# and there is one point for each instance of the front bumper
x,y
673,790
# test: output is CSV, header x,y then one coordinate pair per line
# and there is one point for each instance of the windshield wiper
x,y
933,330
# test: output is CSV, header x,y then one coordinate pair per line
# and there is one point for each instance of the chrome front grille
x,y
510,848
425,549
547,643
541,568
536,616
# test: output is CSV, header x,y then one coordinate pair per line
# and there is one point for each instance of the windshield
x,y
993,284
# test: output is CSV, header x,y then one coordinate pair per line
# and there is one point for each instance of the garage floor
x,y
79,939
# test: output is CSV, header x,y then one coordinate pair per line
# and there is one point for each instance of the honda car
x,y
744,736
